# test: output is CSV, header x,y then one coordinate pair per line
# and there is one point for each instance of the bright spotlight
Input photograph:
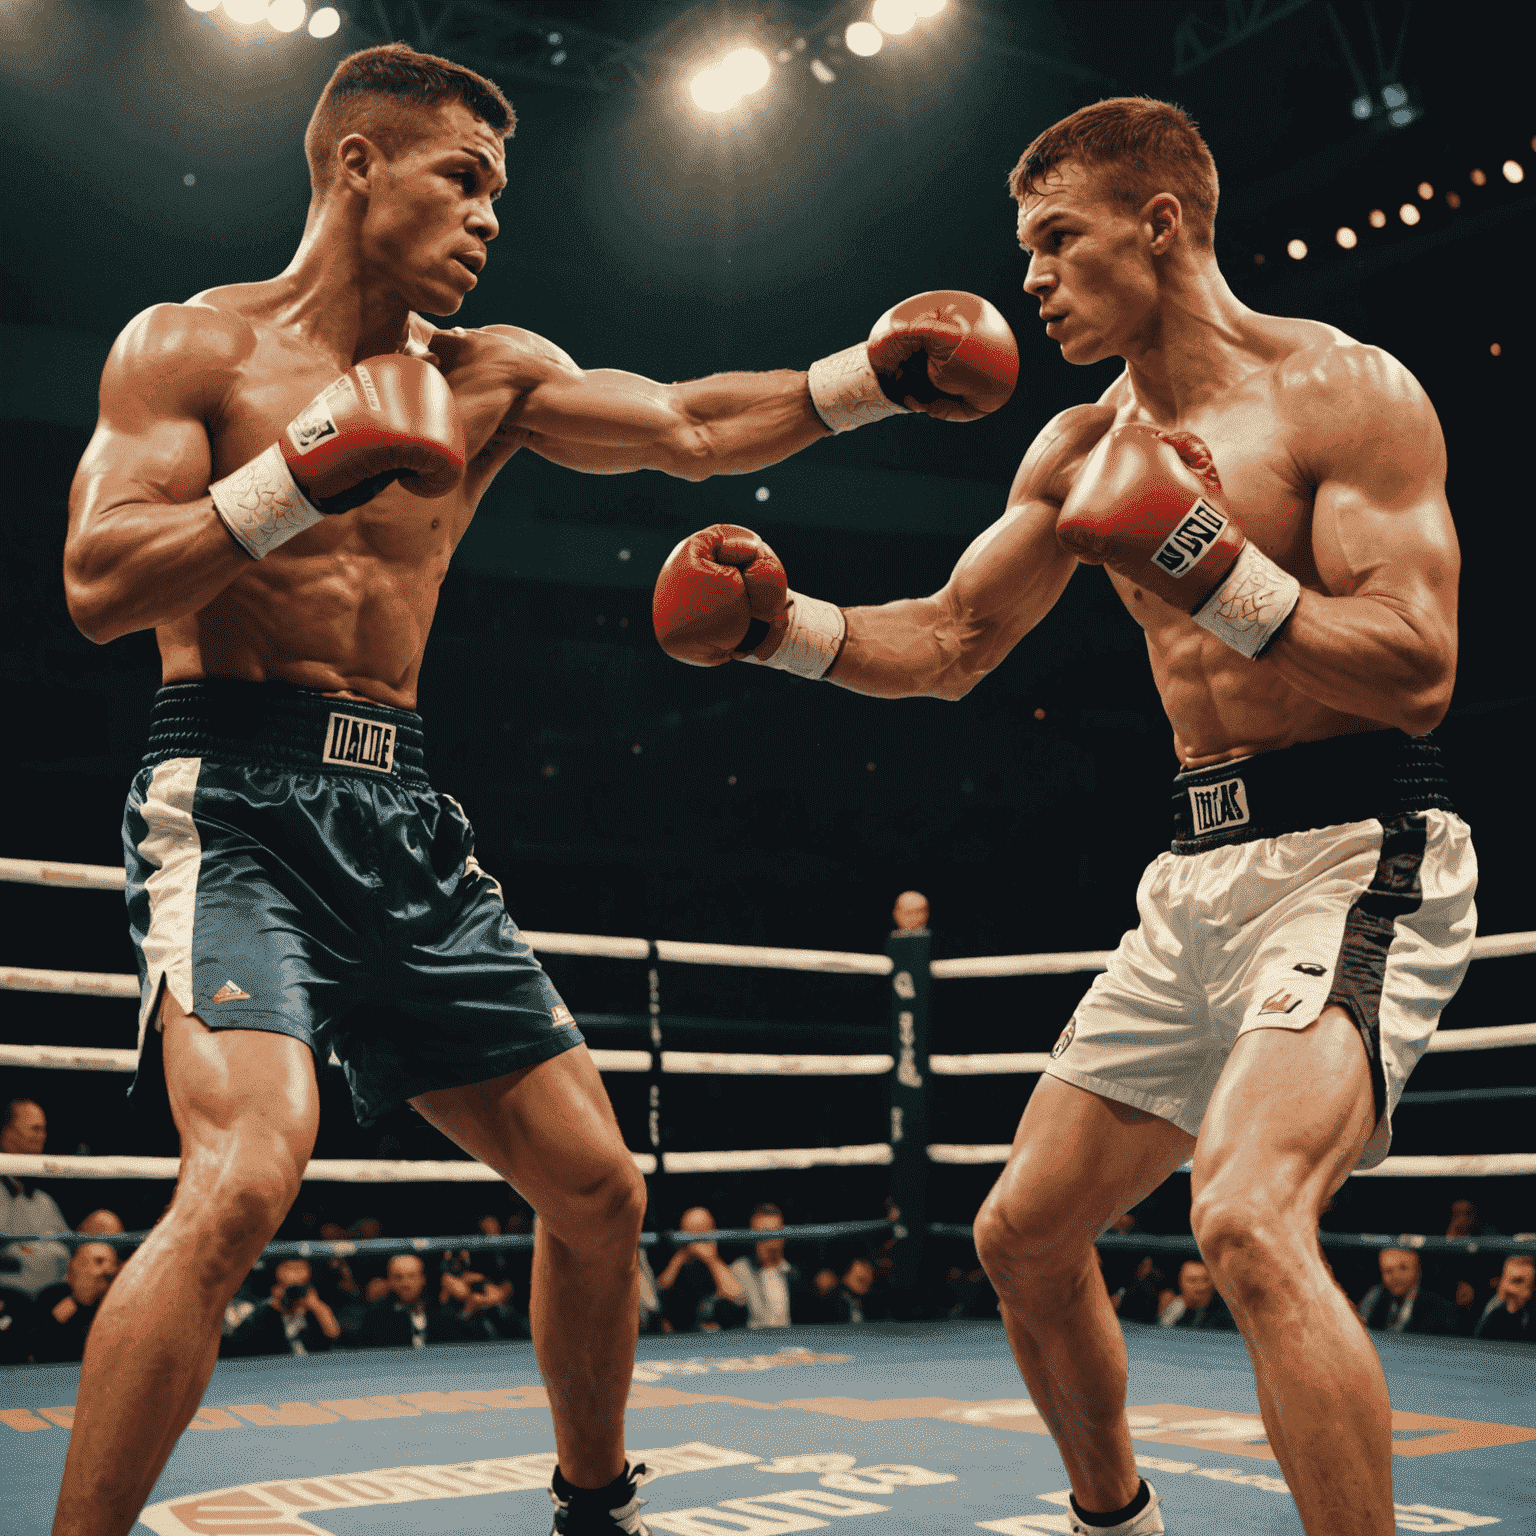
x,y
822,73
1408,213
1378,219
1426,191
1400,117
1346,237
714,91
927,8
204,5
894,17
325,21
285,15
1513,171
1394,96
1361,108
1478,178
864,39
246,12
747,69
1296,249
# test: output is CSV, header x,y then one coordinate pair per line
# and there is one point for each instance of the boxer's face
x,y
430,220
1090,267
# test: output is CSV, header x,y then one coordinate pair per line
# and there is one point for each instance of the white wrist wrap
x,y
261,504
813,639
1249,607
845,389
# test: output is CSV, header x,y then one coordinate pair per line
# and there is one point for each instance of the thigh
x,y
1078,1161
1291,1115
549,1130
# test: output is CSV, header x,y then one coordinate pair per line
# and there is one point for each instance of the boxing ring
x,y
921,1425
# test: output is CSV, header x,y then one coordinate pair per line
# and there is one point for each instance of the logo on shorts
x,y
1186,546
560,1017
359,743
230,993
1280,1001
1219,805
1307,968
1064,1039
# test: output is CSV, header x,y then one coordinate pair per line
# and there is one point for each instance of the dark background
x,y
616,792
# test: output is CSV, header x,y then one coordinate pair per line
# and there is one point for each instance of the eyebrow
x,y
1055,216
486,163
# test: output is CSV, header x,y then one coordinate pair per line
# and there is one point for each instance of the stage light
x,y
1296,249
1400,117
894,17
557,57
1496,349
204,5
1346,237
1478,178
864,39
1408,213
189,180
927,8
246,12
821,72
713,90
325,21
1361,107
761,493
1426,191
1514,172
1394,96
747,69
1453,199
1378,219
285,15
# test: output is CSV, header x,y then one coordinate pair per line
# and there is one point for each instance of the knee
x,y
1021,1244
232,1210
1248,1244
604,1213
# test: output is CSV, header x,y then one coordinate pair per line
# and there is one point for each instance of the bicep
x,y
573,409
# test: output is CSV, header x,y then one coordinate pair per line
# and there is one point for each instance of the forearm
x,y
745,421
144,564
1367,656
726,1282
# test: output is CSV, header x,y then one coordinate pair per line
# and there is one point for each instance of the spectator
x,y
102,1222
404,1315
852,1297
970,1292
1464,1222
28,1267
293,1320
1508,1315
652,1319
1197,1305
777,1294
16,1312
697,1290
1402,1303
1147,1293
334,1281
369,1268
65,1312
910,914
482,1307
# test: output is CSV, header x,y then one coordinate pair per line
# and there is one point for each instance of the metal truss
x,y
1195,39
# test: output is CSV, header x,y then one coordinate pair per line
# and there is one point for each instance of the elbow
x,y
91,615
692,454
1426,701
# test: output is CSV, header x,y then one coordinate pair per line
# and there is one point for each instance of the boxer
x,y
295,884
1267,497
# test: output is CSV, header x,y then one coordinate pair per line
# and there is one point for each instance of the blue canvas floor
x,y
908,1428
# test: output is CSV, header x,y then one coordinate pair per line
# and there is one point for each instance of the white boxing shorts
x,y
1333,872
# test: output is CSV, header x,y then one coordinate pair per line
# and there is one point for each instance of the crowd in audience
x,y
50,1291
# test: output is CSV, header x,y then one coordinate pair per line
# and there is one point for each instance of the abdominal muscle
x,y
1221,705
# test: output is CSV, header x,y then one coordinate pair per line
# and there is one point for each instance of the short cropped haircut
x,y
767,1208
1143,146
387,94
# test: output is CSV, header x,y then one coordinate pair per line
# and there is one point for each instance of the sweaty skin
x,y
193,391
1332,461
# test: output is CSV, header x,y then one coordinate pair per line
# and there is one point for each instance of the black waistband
x,y
275,725
1379,774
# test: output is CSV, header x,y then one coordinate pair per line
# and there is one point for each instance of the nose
x,y
1038,279
483,223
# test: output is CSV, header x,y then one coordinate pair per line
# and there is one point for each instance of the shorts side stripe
x,y
172,844
1360,972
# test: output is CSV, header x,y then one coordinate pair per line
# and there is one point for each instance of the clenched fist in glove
x,y
722,595
947,354
1149,504
389,418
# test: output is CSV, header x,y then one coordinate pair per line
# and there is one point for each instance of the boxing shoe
x,y
1145,1522
602,1511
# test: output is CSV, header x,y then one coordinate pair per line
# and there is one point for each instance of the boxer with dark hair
x,y
1315,911
279,476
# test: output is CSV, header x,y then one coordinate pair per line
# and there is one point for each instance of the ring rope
x,y
1141,1242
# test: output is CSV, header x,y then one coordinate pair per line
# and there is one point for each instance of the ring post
x,y
909,952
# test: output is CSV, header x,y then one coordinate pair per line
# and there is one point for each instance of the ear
x,y
1163,218
356,159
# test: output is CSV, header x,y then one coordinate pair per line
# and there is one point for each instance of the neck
x,y
1193,344
330,295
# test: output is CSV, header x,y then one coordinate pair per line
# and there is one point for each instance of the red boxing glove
x,y
948,354
1149,504
721,593
389,418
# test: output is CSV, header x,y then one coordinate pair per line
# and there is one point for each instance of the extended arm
x,y
145,545
1382,643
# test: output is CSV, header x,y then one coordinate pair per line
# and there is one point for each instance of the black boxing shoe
x,y
601,1511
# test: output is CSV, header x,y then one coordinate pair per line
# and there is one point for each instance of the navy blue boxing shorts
x,y
291,869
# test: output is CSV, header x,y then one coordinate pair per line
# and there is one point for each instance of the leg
x,y
1078,1161
246,1106
549,1131
1290,1116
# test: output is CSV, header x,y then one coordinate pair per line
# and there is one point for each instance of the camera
x,y
455,1263
293,1295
